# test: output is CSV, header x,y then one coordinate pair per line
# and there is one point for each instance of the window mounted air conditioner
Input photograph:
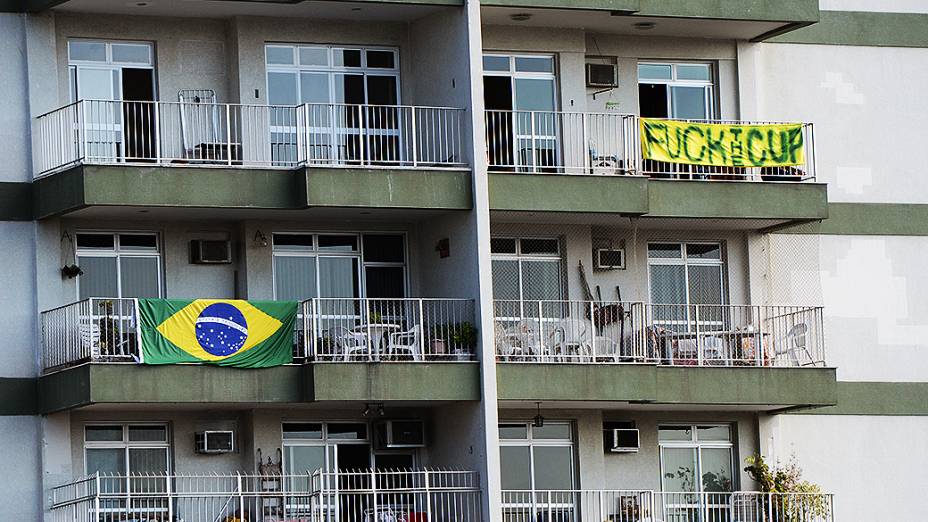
x,y
602,75
210,251
399,434
213,442
610,258
625,440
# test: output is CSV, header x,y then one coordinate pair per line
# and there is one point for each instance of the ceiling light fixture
x,y
539,420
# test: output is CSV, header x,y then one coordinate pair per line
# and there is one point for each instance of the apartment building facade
x,y
504,306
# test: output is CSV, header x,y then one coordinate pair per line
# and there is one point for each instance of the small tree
x,y
799,500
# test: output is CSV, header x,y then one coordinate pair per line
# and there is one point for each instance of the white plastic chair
x,y
408,341
349,343
571,337
795,344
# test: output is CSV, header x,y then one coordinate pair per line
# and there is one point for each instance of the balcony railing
x,y
666,334
553,142
363,496
369,329
260,136
345,330
650,506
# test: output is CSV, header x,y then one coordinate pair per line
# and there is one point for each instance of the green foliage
x,y
798,500
461,335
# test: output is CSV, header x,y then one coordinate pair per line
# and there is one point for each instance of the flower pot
x,y
437,347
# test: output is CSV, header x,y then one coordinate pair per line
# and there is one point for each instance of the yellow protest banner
x,y
722,144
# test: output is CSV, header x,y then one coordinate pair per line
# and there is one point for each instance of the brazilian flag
x,y
226,332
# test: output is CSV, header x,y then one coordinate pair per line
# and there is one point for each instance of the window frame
x,y
686,262
362,265
520,257
125,444
332,70
119,253
327,443
710,87
108,64
698,445
531,442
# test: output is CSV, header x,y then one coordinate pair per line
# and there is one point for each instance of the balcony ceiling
x,y
364,11
603,22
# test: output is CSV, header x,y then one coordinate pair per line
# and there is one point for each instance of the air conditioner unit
x,y
625,440
601,75
610,259
399,434
212,442
210,251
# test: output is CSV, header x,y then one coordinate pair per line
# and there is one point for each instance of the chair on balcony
x,y
348,343
794,346
409,342
571,338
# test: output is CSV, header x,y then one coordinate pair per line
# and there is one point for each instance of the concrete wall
x,y
22,460
580,240
14,114
601,470
190,53
447,434
863,140
876,317
573,46
873,464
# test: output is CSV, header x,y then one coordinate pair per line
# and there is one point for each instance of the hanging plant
x,y
71,271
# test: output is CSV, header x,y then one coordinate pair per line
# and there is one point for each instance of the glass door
x,y
697,472
117,83
522,131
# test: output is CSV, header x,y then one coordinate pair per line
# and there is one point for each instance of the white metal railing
x,y
264,136
577,505
559,142
362,495
555,142
367,329
397,496
743,506
652,506
670,334
569,331
104,329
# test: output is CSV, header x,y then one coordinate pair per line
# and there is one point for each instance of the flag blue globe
x,y
221,329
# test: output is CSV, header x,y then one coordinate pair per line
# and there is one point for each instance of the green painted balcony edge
x,y
206,187
189,383
786,11
376,382
750,387
638,195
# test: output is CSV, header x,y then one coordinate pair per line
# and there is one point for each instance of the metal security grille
x,y
679,296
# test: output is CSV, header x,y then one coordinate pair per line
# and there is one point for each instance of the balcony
x,y
590,332
759,357
106,330
99,132
354,349
593,162
645,505
363,495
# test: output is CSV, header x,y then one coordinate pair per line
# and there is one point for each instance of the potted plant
x,y
461,338
110,332
71,271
